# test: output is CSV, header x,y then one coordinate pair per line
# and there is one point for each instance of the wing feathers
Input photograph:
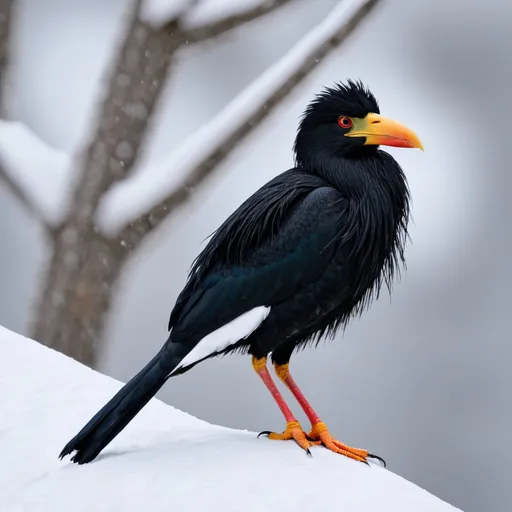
x,y
227,335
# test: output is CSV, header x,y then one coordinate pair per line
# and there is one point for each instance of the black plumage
x,y
315,245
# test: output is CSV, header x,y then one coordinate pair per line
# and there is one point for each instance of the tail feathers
x,y
118,412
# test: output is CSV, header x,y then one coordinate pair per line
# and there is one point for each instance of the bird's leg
x,y
293,429
319,432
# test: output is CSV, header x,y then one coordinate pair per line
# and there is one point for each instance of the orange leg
x,y
293,429
319,432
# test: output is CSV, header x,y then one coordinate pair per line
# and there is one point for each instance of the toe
x,y
285,436
320,435
300,438
333,448
356,451
293,431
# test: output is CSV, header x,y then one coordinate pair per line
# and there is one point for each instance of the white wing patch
x,y
238,329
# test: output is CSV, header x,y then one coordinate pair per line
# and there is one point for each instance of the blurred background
x,y
422,379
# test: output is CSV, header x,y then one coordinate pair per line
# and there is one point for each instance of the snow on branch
x,y
137,206
205,19
158,13
36,173
213,18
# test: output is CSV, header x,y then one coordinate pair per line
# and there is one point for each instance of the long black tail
x,y
121,409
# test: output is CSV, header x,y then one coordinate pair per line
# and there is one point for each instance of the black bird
x,y
298,259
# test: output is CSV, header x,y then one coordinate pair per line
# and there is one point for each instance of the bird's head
x,y
345,121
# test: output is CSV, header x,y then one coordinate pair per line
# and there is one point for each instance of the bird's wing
x,y
244,274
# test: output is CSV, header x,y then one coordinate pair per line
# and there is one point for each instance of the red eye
x,y
345,122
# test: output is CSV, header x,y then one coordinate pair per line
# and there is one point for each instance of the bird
x,y
292,265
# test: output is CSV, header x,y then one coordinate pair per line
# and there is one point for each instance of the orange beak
x,y
379,130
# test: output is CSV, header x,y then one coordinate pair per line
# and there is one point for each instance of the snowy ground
x,y
165,459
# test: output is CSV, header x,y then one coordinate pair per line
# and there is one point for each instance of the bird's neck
x,y
378,211
361,176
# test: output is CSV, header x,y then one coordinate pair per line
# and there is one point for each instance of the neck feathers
x,y
376,187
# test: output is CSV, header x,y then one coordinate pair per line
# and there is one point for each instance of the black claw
x,y
264,433
366,462
308,453
373,456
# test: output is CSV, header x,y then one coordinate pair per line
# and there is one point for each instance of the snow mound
x,y
165,459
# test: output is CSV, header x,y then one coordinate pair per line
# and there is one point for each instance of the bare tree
x,y
87,260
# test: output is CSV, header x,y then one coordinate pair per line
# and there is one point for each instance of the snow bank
x,y
165,459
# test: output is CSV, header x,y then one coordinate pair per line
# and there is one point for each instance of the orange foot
x,y
320,435
293,431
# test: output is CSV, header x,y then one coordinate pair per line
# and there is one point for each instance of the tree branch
x,y
206,31
200,157
135,83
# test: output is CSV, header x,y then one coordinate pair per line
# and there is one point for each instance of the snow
x,y
194,13
158,12
210,11
41,171
130,199
165,459
227,335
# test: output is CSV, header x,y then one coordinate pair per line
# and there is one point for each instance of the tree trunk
x,y
73,307
79,282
